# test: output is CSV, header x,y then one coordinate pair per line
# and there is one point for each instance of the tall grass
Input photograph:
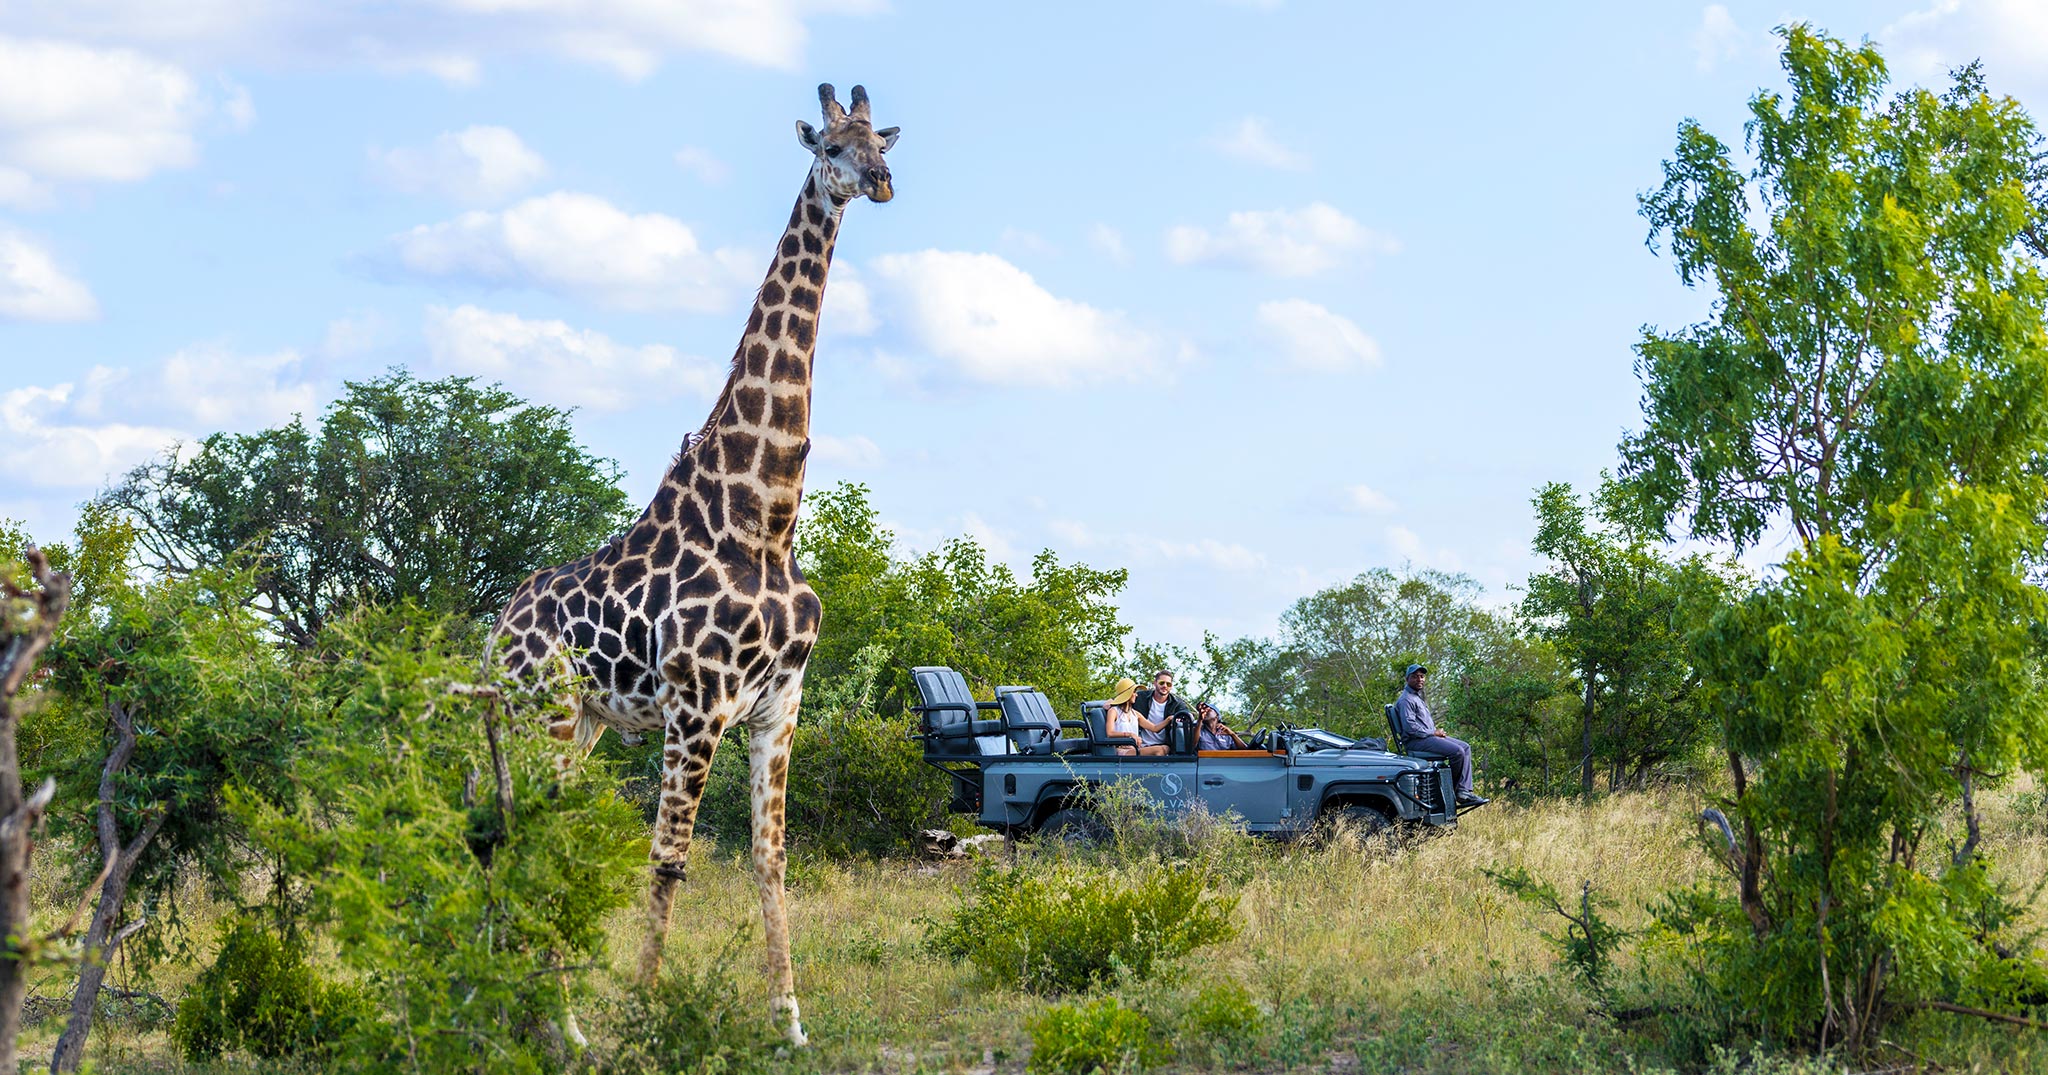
x,y
1389,956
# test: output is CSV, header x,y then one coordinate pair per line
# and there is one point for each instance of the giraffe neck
x,y
750,455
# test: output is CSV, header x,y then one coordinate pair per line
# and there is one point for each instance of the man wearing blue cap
x,y
1411,711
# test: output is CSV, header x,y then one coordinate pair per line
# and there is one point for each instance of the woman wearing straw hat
x,y
1121,719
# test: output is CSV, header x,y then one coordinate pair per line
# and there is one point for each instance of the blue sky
x,y
1245,297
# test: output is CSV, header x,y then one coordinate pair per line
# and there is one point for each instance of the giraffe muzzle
x,y
877,182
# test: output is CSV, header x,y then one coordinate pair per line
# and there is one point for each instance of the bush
x,y
1085,1039
697,1023
1062,927
260,995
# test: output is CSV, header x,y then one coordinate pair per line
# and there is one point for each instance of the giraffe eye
x,y
833,151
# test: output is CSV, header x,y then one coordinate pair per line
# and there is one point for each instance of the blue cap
x,y
1412,669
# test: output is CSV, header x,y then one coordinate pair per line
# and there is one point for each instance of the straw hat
x,y
1126,688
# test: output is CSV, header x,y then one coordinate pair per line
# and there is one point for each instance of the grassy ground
x,y
1381,959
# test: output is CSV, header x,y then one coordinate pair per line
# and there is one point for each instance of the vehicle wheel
x,y
1354,821
1075,825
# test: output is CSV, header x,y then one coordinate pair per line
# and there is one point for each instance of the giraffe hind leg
x,y
685,768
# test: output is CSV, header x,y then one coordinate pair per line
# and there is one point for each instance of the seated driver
x,y
1211,733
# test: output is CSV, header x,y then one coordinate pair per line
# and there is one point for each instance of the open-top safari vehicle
x,y
1013,765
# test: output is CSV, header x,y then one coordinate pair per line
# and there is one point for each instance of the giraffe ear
x,y
806,136
888,137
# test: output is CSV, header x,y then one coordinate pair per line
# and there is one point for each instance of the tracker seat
x,y
949,717
1032,725
1396,741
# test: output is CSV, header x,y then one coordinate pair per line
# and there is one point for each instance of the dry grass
x,y
1391,958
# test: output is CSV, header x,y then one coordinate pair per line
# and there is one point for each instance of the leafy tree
x,y
443,492
464,875
1056,630
1346,646
1618,612
177,695
1874,376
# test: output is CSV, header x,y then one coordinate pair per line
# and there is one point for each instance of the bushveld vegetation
x,y
1793,823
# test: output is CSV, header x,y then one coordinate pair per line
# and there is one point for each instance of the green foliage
x,y
1589,942
1875,375
1061,927
696,1023
1223,1011
212,703
1101,1037
954,606
1618,612
441,492
472,928
260,995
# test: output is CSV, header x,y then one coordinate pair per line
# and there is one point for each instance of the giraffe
x,y
697,616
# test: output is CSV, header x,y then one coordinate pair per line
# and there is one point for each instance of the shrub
x,y
1099,1037
260,995
1061,926
691,1022
1223,1009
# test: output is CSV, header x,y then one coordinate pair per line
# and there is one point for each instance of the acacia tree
x,y
443,492
1874,376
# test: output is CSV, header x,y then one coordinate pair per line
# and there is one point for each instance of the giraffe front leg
x,y
688,741
768,739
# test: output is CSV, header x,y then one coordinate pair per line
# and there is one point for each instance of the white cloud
x,y
1314,338
475,165
208,388
985,534
2010,36
46,447
1249,140
582,246
848,453
71,113
849,306
449,39
1145,549
700,163
1718,39
33,288
991,322
551,362
1030,242
1367,500
1110,242
1408,545
77,434
1282,242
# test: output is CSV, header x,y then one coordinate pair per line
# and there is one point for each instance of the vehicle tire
x,y
1075,825
1354,821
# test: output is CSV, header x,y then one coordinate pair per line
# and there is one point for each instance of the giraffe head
x,y
849,149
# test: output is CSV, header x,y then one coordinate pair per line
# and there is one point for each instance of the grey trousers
x,y
1456,751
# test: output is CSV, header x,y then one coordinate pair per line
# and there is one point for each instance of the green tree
x,y
443,492
1346,646
1873,376
1057,629
162,698
464,875
1618,612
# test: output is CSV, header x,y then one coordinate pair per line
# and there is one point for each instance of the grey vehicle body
x,y
1014,766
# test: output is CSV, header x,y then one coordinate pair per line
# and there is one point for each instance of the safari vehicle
x,y
1012,765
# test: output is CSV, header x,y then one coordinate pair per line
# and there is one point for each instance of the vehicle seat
x,y
1096,716
1396,742
1029,719
949,715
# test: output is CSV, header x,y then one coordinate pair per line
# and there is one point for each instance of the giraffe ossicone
x,y
697,616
